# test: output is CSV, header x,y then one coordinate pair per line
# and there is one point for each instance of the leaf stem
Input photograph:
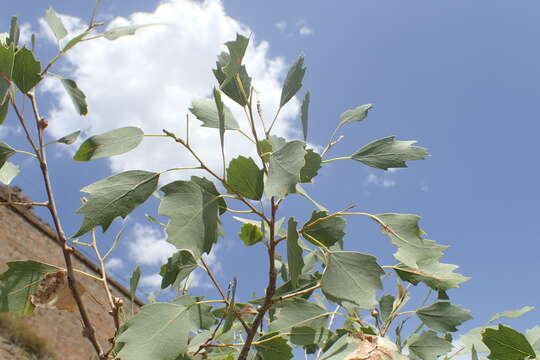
x,y
298,293
273,122
26,153
336,159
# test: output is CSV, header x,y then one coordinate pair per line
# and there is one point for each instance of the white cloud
x,y
149,246
424,187
305,30
114,264
25,34
281,26
383,181
148,80
152,281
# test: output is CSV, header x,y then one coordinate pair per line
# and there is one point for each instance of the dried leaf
x,y
54,293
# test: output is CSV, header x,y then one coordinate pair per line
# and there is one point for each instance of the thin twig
x,y
88,329
19,203
220,290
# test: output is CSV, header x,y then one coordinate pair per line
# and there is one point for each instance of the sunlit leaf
x,y
117,195
511,314
206,111
55,23
284,169
26,70
76,95
505,343
353,277
293,80
436,275
74,41
326,232
388,153
8,172
250,234
245,177
118,32
110,143
298,312
19,282
161,330
442,316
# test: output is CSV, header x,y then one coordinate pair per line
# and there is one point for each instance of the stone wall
x,y
24,236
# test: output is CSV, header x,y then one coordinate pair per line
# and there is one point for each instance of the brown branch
x,y
19,203
88,329
20,116
270,289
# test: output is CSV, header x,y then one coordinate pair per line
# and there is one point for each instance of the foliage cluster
x,y
311,280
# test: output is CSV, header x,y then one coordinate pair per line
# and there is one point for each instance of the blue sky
x,y
460,77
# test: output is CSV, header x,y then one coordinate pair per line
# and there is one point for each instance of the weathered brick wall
x,y
24,236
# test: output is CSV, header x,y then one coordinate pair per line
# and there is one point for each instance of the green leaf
x,y
221,119
511,314
428,346
231,311
177,268
442,316
386,305
55,23
3,110
8,172
340,349
294,253
14,32
206,111
274,349
357,114
7,60
353,277
118,32
76,95
298,312
304,115
69,138
114,142
407,236
19,282
474,354
231,89
388,153
312,166
134,282
302,192
117,195
326,232
77,39
237,50
193,212
506,343
434,274
245,177
6,152
161,330
293,81
250,234
26,70
284,169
